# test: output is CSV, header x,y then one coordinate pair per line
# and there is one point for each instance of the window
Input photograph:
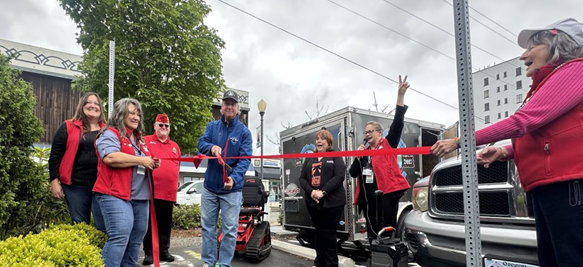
x,y
486,94
505,87
518,71
486,106
486,81
487,119
519,99
505,114
505,100
498,102
499,116
498,89
505,75
518,85
497,76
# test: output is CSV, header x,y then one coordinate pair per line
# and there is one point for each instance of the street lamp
x,y
262,106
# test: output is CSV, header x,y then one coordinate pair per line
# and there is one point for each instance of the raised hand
x,y
403,85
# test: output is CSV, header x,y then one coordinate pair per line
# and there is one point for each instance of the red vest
x,y
554,152
117,182
74,133
166,176
386,172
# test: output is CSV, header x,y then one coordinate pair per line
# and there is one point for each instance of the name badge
x,y
368,175
141,170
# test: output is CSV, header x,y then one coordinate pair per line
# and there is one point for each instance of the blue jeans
x,y
558,211
126,223
229,204
82,203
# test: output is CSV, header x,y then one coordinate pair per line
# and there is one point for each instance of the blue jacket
x,y
240,144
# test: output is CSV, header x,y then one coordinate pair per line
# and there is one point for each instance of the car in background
x,y
190,193
435,228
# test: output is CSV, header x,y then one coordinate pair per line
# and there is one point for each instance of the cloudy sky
x,y
390,37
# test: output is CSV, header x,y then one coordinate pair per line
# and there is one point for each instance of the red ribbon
x,y
424,150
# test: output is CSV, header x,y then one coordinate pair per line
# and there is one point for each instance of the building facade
x,y
498,91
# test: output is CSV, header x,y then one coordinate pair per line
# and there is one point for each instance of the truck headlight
x,y
419,198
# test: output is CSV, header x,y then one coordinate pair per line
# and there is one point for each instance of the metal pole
x,y
468,140
262,142
111,74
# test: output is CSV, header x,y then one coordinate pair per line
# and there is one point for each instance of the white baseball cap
x,y
569,26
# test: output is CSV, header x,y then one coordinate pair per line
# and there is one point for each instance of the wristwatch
x,y
324,193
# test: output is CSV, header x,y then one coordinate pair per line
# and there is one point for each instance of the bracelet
x,y
457,142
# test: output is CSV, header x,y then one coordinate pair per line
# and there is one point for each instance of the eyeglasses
x,y
161,125
369,131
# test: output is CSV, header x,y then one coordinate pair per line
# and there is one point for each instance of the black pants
x,y
390,210
164,218
558,211
325,220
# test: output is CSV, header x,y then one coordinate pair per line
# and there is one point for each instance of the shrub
x,y
25,202
187,217
61,245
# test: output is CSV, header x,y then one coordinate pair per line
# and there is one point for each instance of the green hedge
x,y
187,217
57,246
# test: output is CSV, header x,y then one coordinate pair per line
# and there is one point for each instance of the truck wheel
x,y
401,225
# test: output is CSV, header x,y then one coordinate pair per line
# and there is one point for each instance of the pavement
x,y
286,252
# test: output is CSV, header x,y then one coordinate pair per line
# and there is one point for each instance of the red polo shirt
x,y
166,176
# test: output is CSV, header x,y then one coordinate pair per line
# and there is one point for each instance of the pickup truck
x,y
435,231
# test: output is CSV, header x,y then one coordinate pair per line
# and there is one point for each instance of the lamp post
x,y
262,106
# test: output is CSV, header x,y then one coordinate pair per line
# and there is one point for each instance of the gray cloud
x,y
290,74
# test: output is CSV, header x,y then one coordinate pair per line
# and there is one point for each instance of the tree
x,y
165,56
25,202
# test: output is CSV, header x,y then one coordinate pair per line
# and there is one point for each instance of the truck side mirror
x,y
191,191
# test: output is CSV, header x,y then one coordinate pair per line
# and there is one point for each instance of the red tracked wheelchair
x,y
253,234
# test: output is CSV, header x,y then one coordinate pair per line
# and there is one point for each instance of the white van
x,y
189,193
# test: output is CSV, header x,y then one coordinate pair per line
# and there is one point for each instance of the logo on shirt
x,y
330,161
174,150
234,140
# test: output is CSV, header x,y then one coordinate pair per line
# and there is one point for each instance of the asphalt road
x,y
190,256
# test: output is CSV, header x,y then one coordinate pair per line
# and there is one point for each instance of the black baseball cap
x,y
230,94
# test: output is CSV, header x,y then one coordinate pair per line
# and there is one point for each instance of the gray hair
x,y
377,126
560,46
120,112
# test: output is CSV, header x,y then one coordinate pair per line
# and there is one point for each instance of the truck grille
x,y
491,203
447,197
497,173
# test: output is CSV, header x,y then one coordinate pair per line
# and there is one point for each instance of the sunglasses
x,y
161,125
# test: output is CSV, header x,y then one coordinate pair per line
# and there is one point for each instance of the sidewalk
x,y
277,232
189,254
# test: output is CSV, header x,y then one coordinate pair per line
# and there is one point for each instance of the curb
x,y
307,253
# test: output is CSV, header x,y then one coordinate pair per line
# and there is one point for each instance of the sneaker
x,y
205,265
148,260
166,256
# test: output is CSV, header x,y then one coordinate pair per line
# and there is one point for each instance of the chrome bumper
x,y
432,240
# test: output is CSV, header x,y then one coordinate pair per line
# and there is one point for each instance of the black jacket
x,y
332,179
